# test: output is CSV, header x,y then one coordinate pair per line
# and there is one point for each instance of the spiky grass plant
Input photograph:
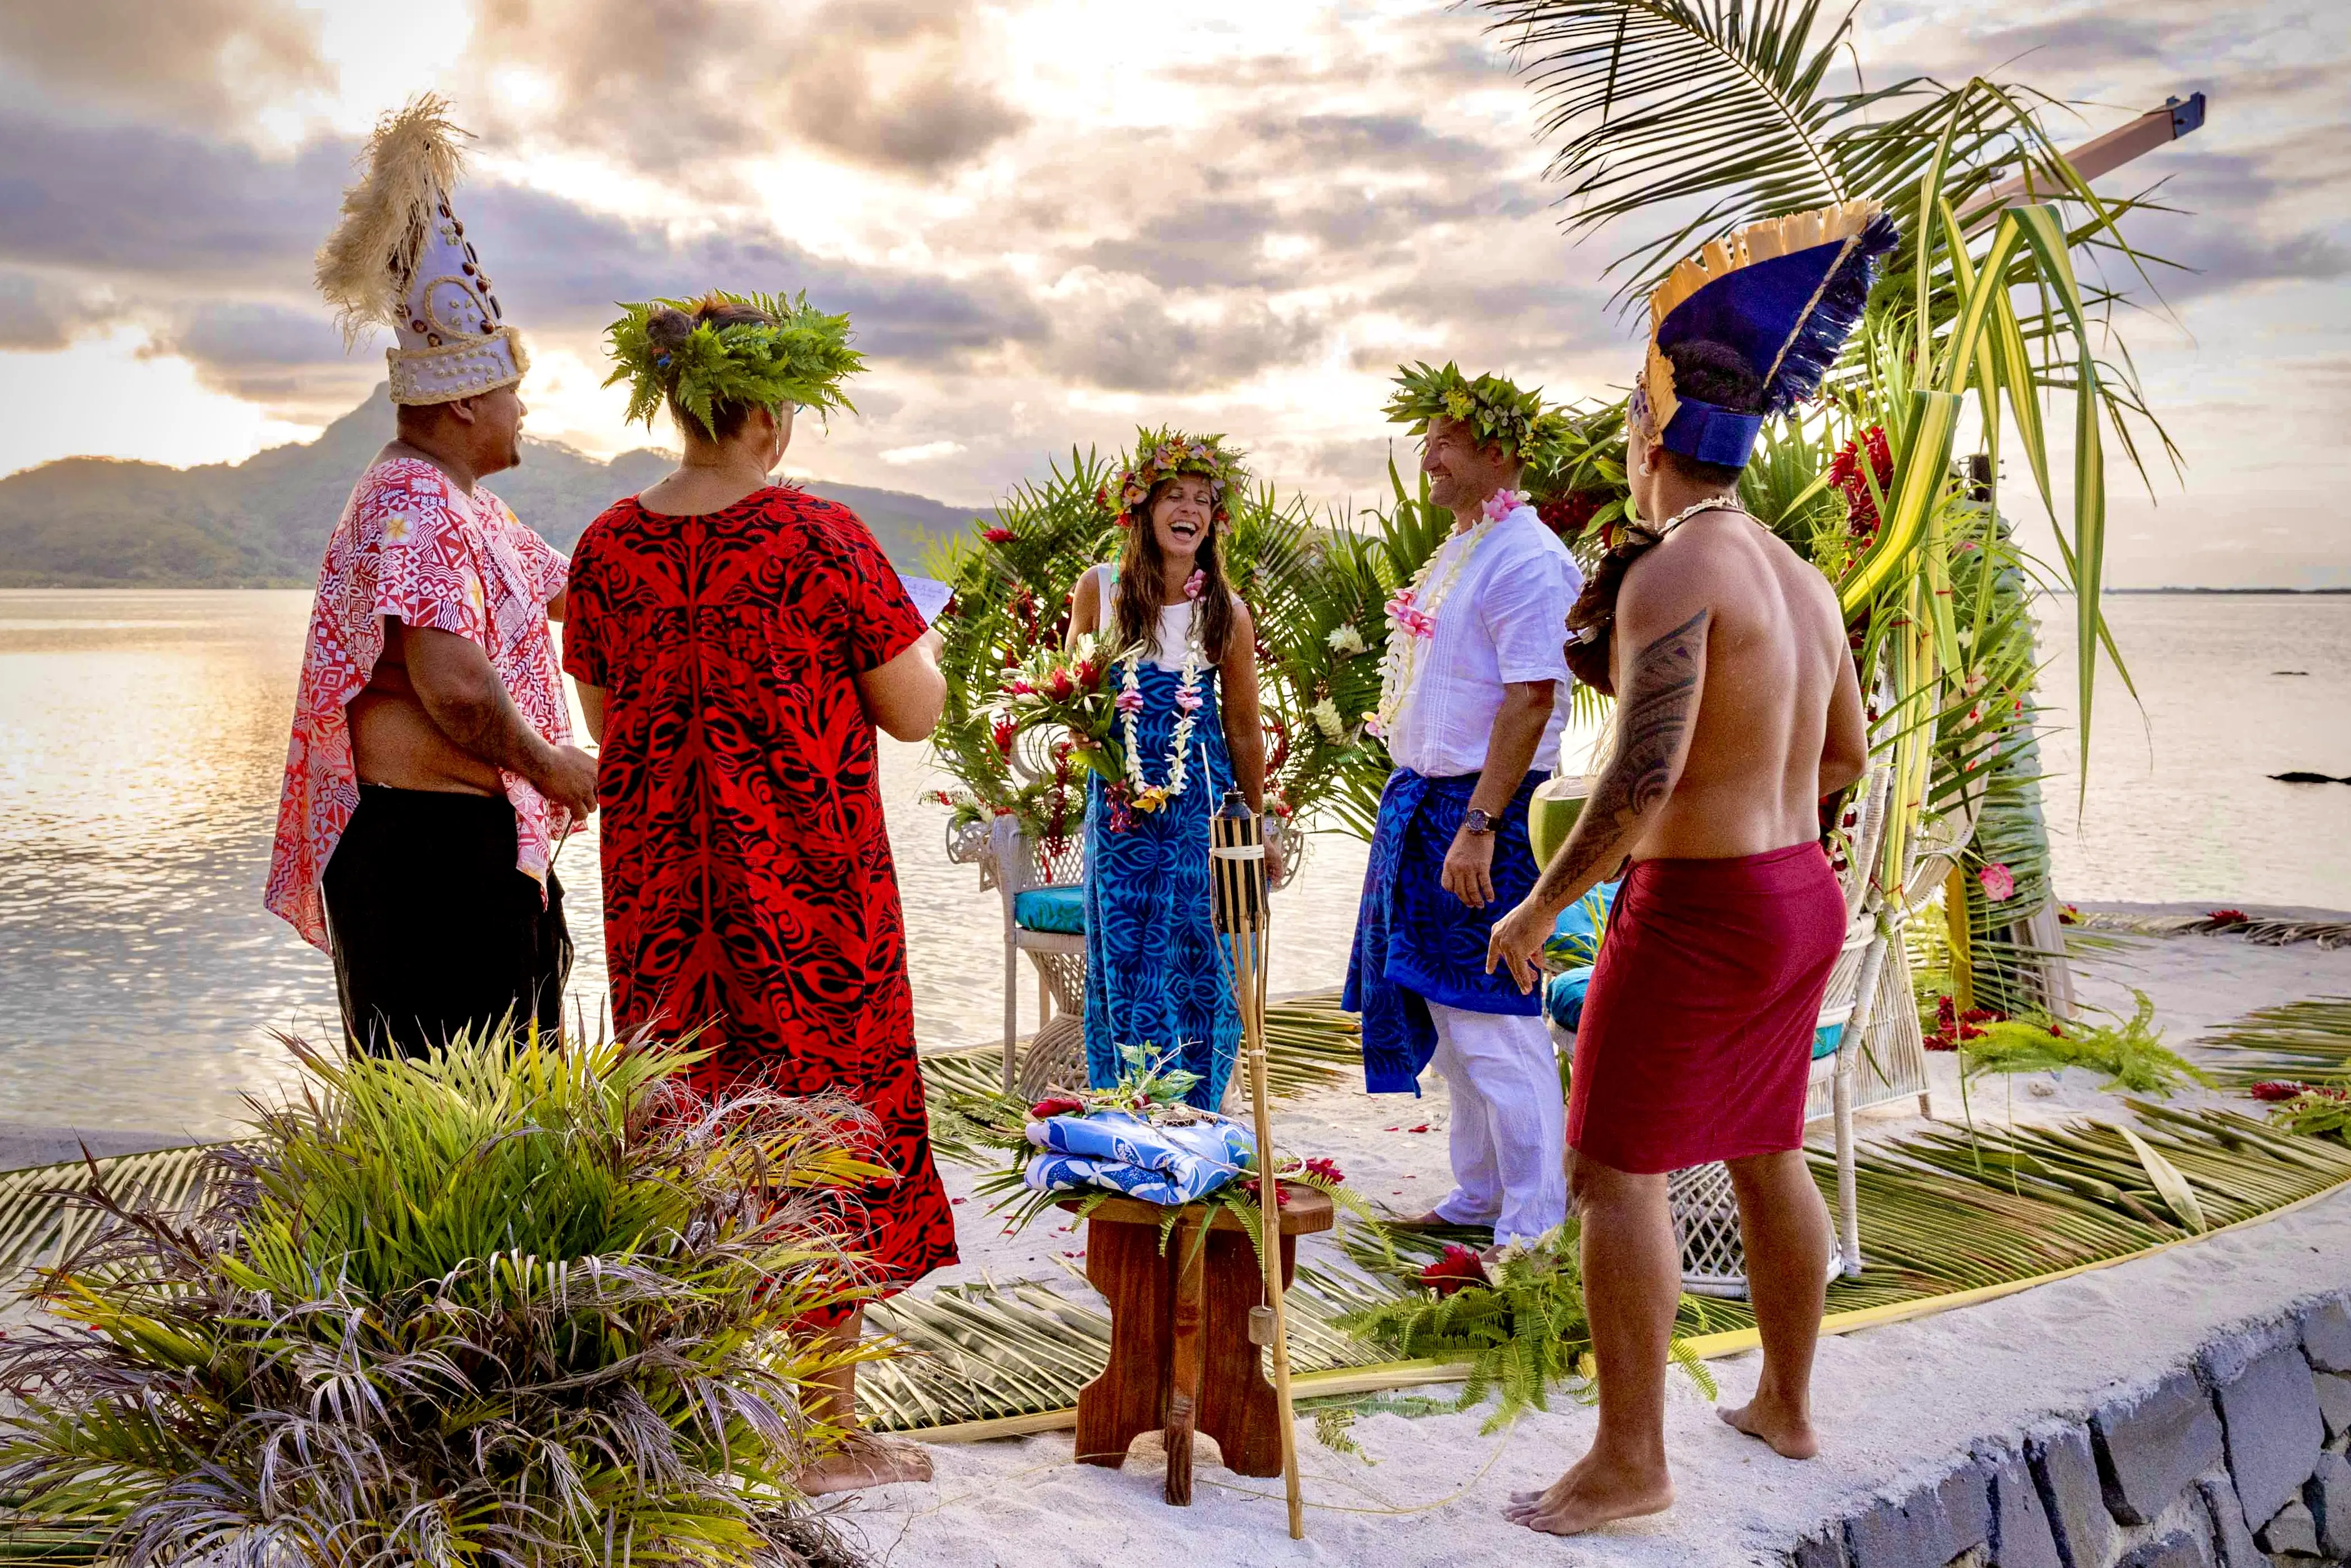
x,y
520,1303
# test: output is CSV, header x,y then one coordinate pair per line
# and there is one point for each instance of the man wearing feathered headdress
x,y
1737,710
1472,699
431,776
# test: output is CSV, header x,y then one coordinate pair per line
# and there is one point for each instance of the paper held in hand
x,y
929,594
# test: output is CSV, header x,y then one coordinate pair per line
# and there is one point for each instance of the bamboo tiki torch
x,y
1237,860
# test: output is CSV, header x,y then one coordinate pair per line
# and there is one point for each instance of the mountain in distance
x,y
103,522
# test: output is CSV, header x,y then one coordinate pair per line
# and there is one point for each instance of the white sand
x,y
1897,1403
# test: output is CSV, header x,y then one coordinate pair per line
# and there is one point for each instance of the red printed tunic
x,y
411,544
748,878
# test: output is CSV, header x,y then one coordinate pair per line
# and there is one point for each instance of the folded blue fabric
x,y
1825,1039
1060,909
1116,1152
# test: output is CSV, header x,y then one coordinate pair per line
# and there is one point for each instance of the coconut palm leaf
x,y
2306,1040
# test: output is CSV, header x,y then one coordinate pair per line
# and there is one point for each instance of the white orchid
x,y
1345,640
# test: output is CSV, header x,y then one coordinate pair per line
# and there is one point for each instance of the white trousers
x,y
1509,1123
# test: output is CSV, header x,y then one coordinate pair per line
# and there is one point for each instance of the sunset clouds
x,y
1050,221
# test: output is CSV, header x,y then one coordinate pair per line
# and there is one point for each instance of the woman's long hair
x,y
1143,571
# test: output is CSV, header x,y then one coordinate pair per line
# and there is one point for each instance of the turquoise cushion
x,y
1563,997
1825,1039
1576,938
1061,909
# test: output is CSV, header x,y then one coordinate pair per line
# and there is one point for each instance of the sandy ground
x,y
1897,1403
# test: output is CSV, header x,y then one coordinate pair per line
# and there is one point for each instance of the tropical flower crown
x,y
800,357
1162,455
1493,407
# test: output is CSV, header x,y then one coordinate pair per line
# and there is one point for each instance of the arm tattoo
x,y
1659,703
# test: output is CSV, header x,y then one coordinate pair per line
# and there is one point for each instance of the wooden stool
x,y
1180,1355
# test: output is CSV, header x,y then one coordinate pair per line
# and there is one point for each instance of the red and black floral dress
x,y
748,878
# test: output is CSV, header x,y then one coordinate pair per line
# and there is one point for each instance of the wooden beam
x,y
2099,155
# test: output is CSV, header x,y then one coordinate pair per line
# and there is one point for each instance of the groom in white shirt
x,y
1472,703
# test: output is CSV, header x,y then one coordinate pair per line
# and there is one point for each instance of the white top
x,y
1504,619
1175,622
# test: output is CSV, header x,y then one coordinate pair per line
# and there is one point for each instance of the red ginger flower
x,y
1057,1105
1458,1268
1325,1170
2275,1089
1845,474
997,535
1568,516
2229,917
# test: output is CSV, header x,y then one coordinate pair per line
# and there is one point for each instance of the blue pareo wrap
x,y
1416,943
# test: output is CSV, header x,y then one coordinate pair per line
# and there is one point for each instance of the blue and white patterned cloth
x,y
1417,944
1155,973
1119,1152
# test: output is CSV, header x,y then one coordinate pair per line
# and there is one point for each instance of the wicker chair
x,y
1052,875
1042,889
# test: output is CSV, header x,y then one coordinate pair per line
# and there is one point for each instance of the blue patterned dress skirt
x,y
1155,973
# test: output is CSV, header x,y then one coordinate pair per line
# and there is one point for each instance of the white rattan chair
x,y
1014,863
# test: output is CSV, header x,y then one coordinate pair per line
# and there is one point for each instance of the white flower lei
x,y
1400,666
1150,797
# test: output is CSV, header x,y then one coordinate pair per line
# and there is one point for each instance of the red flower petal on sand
x,y
1422,1128
1458,1267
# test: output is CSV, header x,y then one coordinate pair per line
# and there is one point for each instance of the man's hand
x,y
1468,868
1517,939
569,780
1272,860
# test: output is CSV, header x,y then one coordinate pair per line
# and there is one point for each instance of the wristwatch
x,y
1477,821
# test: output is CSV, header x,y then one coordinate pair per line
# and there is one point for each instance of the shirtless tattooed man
x,y
1738,710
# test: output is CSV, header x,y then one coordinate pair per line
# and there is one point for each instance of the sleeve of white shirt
x,y
1525,608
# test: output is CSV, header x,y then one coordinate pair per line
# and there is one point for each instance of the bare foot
x,y
1790,1437
1591,1495
865,1460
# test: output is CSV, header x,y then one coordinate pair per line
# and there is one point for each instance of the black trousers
x,y
434,929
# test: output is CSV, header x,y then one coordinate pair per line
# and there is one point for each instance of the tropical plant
x,y
2129,1051
1518,1320
520,1302
1699,115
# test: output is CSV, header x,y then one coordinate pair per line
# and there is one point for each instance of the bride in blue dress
x,y
1184,667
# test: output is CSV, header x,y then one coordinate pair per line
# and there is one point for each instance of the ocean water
x,y
142,735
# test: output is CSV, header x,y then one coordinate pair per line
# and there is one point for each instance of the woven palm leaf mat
x,y
1946,1212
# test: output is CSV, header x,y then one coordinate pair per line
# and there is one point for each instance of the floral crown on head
x,y
1165,453
1490,405
801,357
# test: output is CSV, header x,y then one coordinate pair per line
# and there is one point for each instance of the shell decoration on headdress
x,y
1490,405
1783,294
802,356
1162,455
400,258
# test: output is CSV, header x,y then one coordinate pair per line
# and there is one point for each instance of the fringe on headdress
x,y
364,267
1795,354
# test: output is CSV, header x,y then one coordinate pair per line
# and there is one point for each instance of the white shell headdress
x,y
400,258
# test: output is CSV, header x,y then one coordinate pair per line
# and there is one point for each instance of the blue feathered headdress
x,y
1783,294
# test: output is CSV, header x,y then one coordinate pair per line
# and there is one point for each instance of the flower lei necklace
x,y
1148,796
1412,620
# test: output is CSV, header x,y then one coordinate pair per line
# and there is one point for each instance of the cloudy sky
x,y
1052,218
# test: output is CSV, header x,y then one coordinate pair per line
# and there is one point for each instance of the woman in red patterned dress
x,y
735,643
